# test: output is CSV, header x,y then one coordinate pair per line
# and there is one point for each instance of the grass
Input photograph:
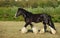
x,y
7,13
10,29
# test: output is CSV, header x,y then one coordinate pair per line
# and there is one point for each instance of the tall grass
x,y
7,13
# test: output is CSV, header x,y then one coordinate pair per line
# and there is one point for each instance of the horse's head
x,y
19,12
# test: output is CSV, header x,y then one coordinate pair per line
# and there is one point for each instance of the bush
x,y
7,13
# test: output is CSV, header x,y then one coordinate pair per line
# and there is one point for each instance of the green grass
x,y
7,13
10,29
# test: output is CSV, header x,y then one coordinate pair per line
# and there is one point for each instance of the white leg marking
x,y
42,30
52,30
23,30
35,30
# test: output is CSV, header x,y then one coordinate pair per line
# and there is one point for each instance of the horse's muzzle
x,y
14,17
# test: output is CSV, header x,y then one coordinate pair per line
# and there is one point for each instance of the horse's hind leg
x,y
31,25
44,29
52,27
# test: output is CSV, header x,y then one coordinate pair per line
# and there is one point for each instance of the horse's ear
x,y
20,8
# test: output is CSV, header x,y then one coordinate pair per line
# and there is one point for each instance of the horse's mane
x,y
25,11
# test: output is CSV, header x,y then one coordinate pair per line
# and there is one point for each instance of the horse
x,y
30,17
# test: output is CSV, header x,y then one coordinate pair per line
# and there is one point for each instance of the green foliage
x,y
7,13
8,8
30,3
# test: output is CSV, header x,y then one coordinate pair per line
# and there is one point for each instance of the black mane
x,y
25,11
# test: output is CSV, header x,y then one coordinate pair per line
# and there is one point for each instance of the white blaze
x,y
15,15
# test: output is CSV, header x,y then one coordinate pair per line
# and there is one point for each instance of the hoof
x,y
35,31
42,31
23,30
53,31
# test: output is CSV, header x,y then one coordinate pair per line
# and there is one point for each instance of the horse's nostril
x,y
14,17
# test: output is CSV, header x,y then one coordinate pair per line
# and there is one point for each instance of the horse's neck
x,y
27,14
24,15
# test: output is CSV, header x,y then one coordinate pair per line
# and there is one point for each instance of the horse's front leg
x,y
24,29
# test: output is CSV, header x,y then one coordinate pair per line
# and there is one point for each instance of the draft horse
x,y
29,18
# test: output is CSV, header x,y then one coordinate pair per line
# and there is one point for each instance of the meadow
x,y
11,29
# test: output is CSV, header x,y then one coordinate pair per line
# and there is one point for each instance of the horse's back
x,y
40,17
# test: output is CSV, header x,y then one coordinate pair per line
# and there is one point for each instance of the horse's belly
x,y
37,21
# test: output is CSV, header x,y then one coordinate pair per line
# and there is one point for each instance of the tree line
x,y
29,3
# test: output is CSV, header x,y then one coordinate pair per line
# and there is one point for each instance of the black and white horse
x,y
29,18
